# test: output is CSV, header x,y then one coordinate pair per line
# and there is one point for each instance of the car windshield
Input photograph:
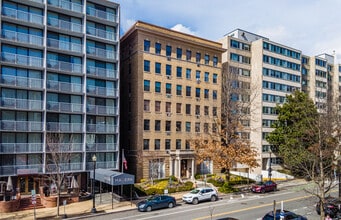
x,y
259,183
151,198
195,191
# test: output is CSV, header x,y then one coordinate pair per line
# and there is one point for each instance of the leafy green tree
x,y
307,140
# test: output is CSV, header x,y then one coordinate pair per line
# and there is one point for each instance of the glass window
x,y
158,68
178,53
188,109
215,78
146,125
179,71
146,67
188,126
168,125
198,57
157,144
197,74
215,94
197,126
158,87
157,125
146,85
215,61
178,89
188,91
188,73
168,70
178,126
197,92
197,110
178,144
206,76
167,144
168,88
206,93
168,50
157,48
206,110
145,144
178,108
157,106
188,55
168,107
147,105
207,59
146,45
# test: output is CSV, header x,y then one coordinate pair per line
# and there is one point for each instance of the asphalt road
x,y
248,206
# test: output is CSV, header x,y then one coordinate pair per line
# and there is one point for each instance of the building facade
x,y
171,85
59,75
273,71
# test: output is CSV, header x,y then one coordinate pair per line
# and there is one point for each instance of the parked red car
x,y
263,187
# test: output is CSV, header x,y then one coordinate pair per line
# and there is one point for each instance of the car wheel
x,y
262,191
275,189
213,198
149,208
195,201
170,205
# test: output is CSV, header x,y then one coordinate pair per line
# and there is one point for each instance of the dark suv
x,y
332,206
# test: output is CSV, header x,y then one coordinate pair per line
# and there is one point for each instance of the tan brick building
x,y
170,94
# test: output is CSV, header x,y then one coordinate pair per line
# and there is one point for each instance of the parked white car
x,y
200,194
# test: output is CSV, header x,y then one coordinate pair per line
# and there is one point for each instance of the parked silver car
x,y
200,194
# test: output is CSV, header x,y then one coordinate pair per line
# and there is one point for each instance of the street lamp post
x,y
93,210
270,170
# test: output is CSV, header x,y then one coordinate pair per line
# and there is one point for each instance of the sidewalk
x,y
75,210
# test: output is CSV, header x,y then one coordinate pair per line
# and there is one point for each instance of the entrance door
x,y
183,168
27,184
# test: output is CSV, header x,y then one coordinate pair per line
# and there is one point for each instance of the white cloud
x,y
183,29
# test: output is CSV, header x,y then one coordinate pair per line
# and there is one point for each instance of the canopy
x,y
113,178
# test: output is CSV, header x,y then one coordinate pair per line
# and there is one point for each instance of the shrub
x,y
216,183
227,188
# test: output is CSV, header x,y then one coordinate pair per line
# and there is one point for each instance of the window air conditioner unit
x,y
198,99
168,133
169,77
198,80
168,114
168,58
168,95
198,116
198,65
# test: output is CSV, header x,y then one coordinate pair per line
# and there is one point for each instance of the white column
x,y
193,168
170,166
179,168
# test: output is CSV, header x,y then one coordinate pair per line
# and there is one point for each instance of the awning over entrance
x,y
113,178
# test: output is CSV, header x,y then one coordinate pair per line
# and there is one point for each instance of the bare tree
x,y
58,158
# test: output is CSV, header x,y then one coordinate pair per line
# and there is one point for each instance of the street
x,y
247,206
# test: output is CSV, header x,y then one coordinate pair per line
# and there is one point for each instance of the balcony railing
x,y
21,147
66,5
102,128
102,91
64,66
64,86
22,15
64,107
64,127
108,54
67,147
101,147
64,167
21,104
26,126
102,72
21,59
22,81
38,1
102,110
104,165
12,170
101,14
64,45
22,37
65,25
108,35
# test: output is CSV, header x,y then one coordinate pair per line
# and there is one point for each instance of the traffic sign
x,y
34,202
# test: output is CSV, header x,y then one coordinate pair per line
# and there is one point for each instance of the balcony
x,y
12,170
64,167
64,45
64,66
65,25
107,35
22,15
101,128
104,165
32,83
102,91
64,86
66,5
21,104
101,14
64,127
101,110
26,126
66,147
21,59
98,52
64,107
22,37
16,148
103,147
102,72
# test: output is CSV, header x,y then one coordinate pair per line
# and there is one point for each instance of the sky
x,y
312,26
